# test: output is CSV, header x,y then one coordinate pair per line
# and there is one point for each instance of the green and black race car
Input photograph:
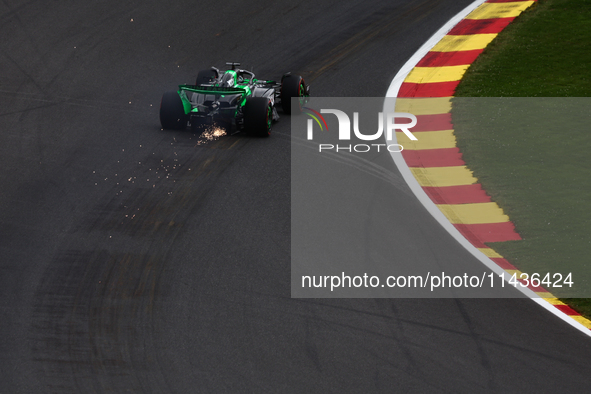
x,y
234,99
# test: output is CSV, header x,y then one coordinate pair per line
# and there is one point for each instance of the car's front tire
x,y
172,112
292,86
258,116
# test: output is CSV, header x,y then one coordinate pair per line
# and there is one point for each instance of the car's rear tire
x,y
258,116
292,86
172,112
206,77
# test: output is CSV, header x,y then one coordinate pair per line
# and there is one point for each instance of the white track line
x,y
424,198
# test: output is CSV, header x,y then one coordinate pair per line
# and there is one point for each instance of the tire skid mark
x,y
379,26
93,309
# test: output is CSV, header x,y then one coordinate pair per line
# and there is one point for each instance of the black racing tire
x,y
172,112
206,77
258,116
292,86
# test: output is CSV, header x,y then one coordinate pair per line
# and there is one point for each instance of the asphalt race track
x,y
134,259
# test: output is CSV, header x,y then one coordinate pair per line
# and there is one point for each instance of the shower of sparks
x,y
211,134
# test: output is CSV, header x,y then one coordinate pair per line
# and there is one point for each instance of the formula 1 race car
x,y
233,99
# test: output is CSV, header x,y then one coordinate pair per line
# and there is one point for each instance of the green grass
x,y
545,52
539,176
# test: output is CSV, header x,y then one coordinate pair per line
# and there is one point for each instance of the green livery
x,y
234,99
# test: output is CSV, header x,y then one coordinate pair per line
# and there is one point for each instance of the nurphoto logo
x,y
344,131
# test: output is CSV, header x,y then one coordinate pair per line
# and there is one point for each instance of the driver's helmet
x,y
228,80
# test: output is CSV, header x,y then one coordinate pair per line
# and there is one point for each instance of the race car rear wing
x,y
207,90
212,89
